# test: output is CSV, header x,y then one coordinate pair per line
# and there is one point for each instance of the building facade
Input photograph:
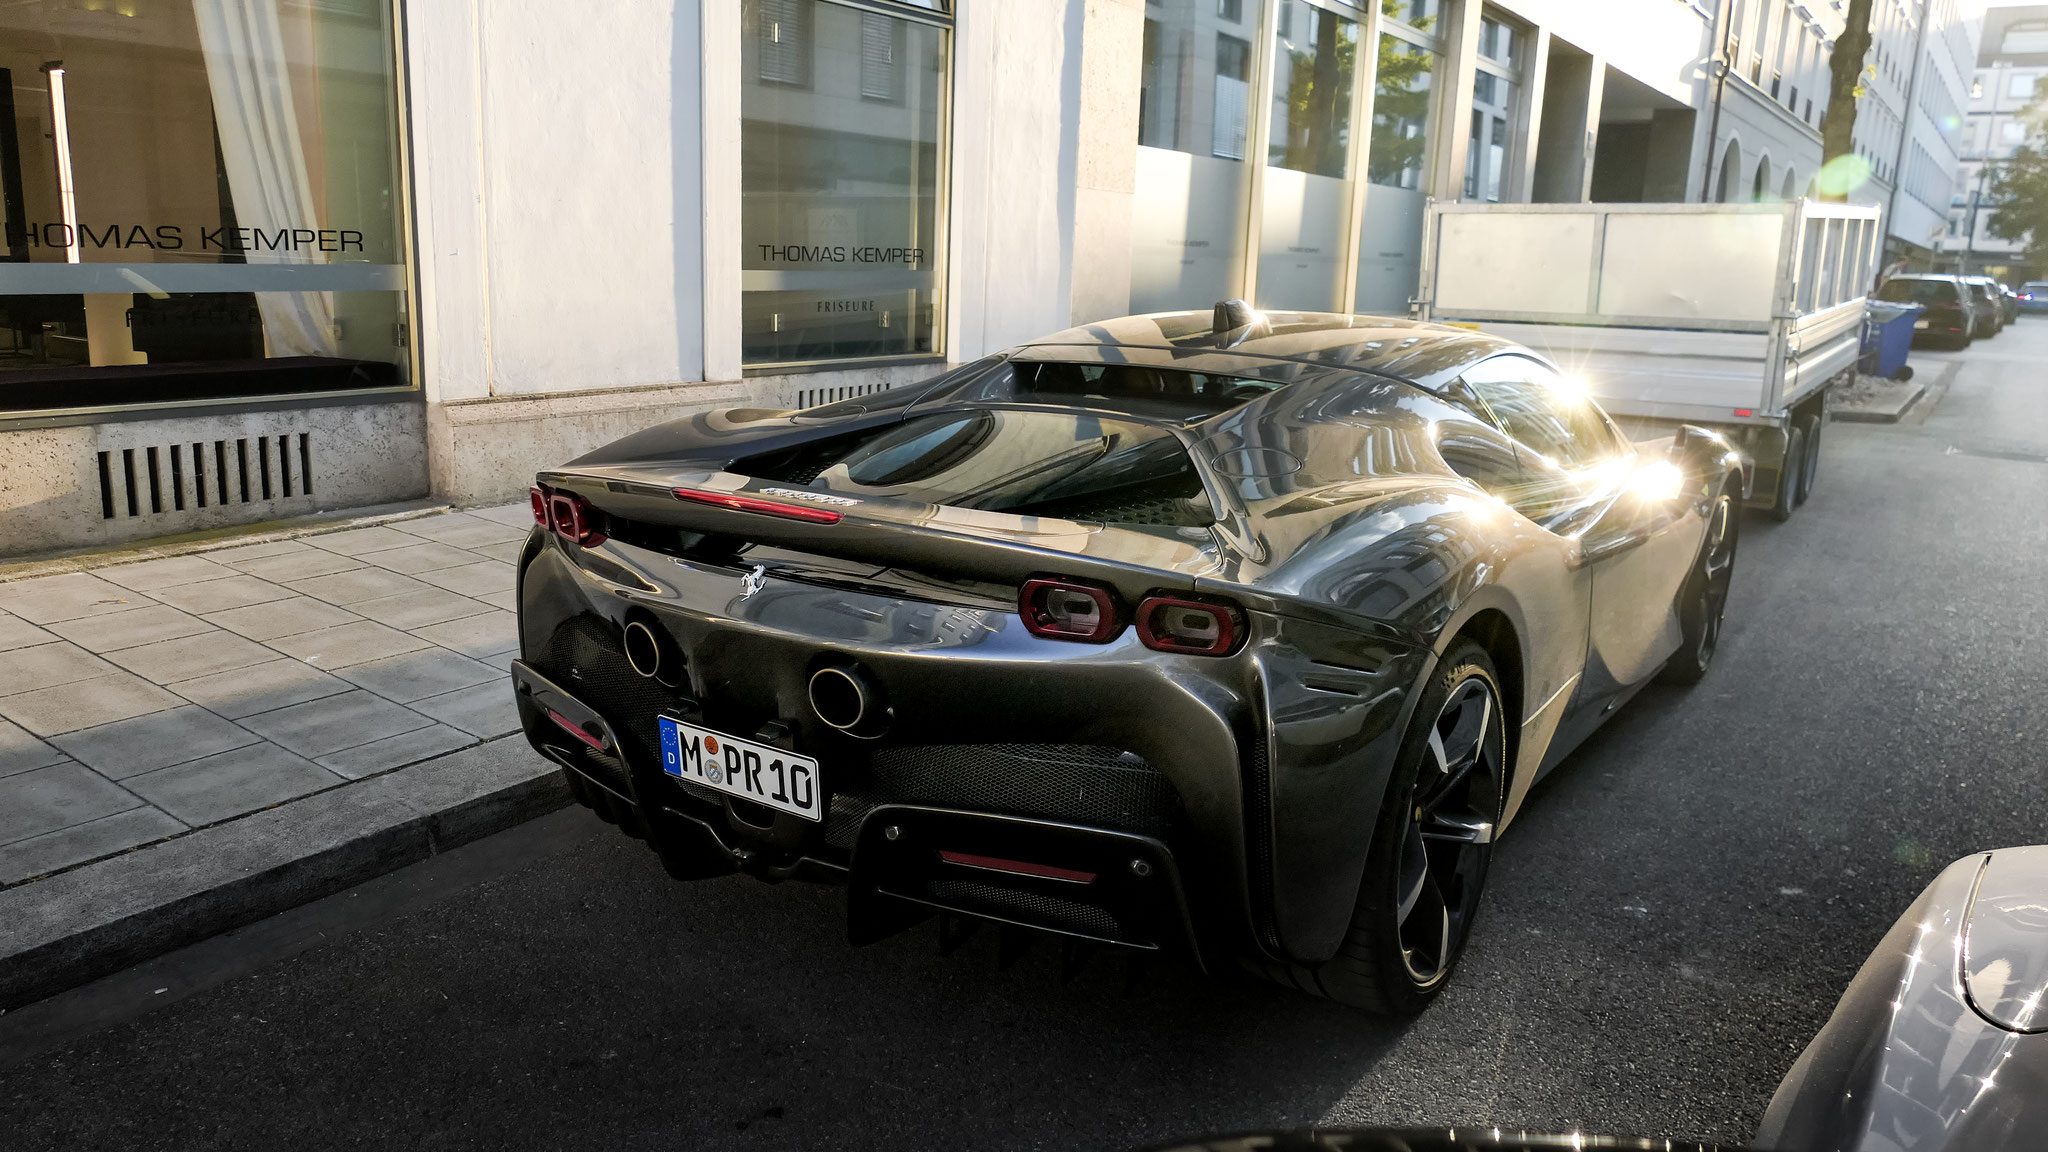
x,y
267,257
2005,112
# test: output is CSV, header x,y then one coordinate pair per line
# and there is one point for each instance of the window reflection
x,y
1194,98
1306,201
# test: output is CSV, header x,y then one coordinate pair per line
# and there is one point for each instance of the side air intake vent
x,y
207,473
812,397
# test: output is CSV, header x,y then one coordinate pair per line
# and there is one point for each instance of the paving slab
x,y
137,626
78,925
347,588
392,751
361,541
333,723
69,707
508,600
48,665
260,688
348,644
81,842
20,751
507,552
413,610
252,551
476,636
221,595
165,573
518,515
48,599
297,565
480,579
190,657
485,710
287,617
463,530
422,556
18,633
146,743
226,784
47,799
418,675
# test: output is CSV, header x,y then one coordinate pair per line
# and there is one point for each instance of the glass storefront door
x,y
202,201
1404,115
1305,201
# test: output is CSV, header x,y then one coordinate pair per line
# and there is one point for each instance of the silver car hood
x,y
1934,1046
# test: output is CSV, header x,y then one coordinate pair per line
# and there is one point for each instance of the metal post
x,y
1970,230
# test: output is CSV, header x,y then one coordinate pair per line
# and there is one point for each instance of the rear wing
x,y
1713,267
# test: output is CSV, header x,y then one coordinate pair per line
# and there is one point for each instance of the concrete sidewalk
x,y
142,703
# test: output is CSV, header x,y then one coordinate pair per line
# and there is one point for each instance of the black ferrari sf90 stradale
x,y
1233,636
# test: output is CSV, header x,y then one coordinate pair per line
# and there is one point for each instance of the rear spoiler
x,y
997,547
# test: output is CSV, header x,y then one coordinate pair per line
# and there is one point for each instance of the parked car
x,y
2008,301
1954,315
1195,633
1940,1043
1991,311
2034,296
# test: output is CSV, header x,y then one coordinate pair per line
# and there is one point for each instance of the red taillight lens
x,y
576,730
1065,610
539,496
573,519
1198,627
738,503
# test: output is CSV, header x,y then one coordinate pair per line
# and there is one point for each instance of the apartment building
x,y
2005,112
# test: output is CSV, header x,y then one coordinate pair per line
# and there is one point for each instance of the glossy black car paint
x,y
1356,553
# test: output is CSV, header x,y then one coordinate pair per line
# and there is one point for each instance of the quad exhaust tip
x,y
848,700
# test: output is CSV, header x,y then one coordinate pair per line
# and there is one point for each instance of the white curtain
x,y
266,162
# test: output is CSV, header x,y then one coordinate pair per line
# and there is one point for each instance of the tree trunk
x,y
1845,77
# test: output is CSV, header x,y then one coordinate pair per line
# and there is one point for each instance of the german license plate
x,y
774,777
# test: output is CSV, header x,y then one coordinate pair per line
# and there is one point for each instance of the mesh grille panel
x,y
1029,907
1083,783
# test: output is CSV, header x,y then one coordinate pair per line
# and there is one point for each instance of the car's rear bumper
x,y
1255,793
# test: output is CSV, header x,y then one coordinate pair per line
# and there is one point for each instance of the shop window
x,y
1306,200
840,171
201,202
1188,210
1397,167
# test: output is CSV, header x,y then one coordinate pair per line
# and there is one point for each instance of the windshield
x,y
1918,292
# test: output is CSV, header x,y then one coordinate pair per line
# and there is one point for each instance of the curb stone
x,y
83,924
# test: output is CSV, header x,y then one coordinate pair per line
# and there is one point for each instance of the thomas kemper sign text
x,y
178,238
838,254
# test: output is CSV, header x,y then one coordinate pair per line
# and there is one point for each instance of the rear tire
x,y
1703,599
1788,474
1431,846
1809,467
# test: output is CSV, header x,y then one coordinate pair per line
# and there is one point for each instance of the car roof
x,y
1427,355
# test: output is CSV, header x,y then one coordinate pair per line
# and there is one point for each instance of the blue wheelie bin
x,y
1887,338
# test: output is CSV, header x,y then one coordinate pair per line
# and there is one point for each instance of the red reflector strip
x,y
737,503
1743,412
575,729
1016,867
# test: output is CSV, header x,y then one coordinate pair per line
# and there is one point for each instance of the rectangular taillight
x,y
1069,610
736,502
566,514
1196,627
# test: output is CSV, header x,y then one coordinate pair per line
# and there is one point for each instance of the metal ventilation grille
x,y
207,473
812,397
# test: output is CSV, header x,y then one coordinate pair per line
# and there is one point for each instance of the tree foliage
x,y
2019,189
1400,107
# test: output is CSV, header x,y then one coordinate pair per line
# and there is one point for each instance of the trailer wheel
x,y
1809,467
1789,472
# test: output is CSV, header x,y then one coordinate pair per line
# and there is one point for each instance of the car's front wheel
x,y
1431,846
1703,599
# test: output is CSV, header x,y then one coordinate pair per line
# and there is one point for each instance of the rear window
x,y
1131,387
1069,465
1918,291
2034,287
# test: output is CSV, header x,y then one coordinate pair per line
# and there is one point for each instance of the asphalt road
x,y
1671,918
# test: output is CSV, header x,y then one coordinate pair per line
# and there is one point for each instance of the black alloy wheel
x,y
1432,845
1703,600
